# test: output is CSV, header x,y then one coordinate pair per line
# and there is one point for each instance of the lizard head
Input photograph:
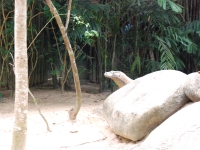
x,y
113,74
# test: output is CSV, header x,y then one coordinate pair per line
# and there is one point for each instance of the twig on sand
x,y
84,143
35,102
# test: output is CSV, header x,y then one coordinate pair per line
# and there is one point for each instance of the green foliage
x,y
90,36
175,7
151,35
171,43
55,72
1,95
167,58
149,27
136,63
85,23
7,5
82,31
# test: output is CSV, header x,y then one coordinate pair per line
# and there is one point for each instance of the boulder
x,y
181,131
134,110
192,86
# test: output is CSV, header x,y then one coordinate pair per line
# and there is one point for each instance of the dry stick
x,y
34,99
35,102
84,143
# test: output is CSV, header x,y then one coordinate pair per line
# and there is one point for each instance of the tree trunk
x,y
21,76
99,49
52,66
113,54
73,112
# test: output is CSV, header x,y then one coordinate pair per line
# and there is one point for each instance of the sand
x,y
90,131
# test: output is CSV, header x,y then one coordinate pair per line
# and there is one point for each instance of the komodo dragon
x,y
118,77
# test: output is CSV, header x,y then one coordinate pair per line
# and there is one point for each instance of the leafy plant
x,y
174,6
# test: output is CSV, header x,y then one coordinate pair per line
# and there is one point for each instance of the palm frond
x,y
167,57
136,64
175,7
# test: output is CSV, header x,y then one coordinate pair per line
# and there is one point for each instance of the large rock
x,y
136,109
181,131
192,86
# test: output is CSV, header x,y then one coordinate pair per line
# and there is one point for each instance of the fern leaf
x,y
136,63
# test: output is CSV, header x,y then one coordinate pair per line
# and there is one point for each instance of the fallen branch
x,y
84,143
35,102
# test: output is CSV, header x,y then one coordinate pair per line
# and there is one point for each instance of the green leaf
x,y
139,4
175,7
168,42
136,63
198,32
162,3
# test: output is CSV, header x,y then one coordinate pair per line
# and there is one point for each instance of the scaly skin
x,y
118,77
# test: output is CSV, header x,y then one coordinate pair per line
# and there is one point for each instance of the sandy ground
x,y
93,132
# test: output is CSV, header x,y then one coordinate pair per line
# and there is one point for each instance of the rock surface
x,y
192,86
134,110
181,131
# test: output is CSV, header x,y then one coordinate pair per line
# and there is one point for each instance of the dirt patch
x,y
91,131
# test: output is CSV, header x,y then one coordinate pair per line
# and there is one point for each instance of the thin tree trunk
x,y
1,70
99,49
136,36
68,14
105,58
52,66
21,76
74,111
187,11
113,54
